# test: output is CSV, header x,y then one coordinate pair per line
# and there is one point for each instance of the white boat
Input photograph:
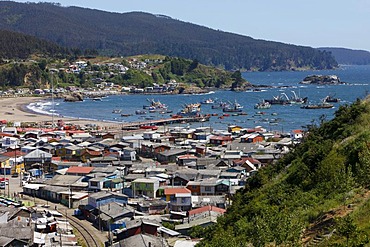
x,y
262,105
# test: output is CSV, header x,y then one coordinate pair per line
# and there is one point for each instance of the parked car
x,y
5,180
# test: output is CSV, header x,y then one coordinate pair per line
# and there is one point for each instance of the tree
x,y
347,228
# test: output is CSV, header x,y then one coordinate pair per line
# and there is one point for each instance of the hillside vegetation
x,y
142,33
349,56
317,194
192,76
16,45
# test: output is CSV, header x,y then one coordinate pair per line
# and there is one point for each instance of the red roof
x,y
243,160
56,158
206,209
5,134
187,156
297,131
93,153
12,154
172,191
80,169
221,138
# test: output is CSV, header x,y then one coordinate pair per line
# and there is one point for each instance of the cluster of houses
x,y
132,184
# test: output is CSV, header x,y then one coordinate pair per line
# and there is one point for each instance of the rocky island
x,y
322,80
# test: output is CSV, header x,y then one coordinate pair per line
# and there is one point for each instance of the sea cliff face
x,y
322,80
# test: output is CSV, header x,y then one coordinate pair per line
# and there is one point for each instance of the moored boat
x,y
331,99
262,105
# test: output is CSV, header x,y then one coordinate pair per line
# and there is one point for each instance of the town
x,y
144,186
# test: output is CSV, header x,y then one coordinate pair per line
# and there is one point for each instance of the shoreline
x,y
14,109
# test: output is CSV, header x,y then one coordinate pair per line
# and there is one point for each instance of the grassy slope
x,y
301,198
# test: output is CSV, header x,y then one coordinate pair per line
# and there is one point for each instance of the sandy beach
x,y
14,110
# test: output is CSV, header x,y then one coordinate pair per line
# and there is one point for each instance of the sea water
x,y
278,117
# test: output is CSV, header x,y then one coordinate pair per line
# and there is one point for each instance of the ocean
x,y
278,118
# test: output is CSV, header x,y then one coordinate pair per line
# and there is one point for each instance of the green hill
x,y
316,195
136,33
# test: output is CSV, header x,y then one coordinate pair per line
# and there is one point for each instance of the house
x,y
128,154
9,142
150,149
194,187
234,129
230,155
187,160
140,234
79,170
102,198
39,159
203,217
145,187
114,215
5,165
102,161
296,134
208,173
248,163
220,140
96,184
208,186
170,156
150,135
265,159
252,138
153,206
179,198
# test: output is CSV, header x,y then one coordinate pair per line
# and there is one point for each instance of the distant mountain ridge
x,y
142,33
348,56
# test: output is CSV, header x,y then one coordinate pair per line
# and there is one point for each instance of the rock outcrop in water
x,y
322,80
73,97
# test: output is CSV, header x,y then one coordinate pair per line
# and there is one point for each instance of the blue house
x,y
102,198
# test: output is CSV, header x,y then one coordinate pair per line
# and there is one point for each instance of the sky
x,y
315,23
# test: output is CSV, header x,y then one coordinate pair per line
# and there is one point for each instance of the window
x,y
94,184
207,188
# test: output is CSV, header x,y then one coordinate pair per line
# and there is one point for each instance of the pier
x,y
166,121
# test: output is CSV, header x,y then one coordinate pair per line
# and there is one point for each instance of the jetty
x,y
166,121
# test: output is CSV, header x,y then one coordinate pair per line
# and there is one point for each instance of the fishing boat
x,y
331,99
262,105
190,110
96,99
219,105
297,99
208,101
233,107
154,105
278,100
116,111
140,112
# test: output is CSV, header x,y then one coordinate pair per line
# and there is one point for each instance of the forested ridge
x,y
16,45
349,56
142,33
317,193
